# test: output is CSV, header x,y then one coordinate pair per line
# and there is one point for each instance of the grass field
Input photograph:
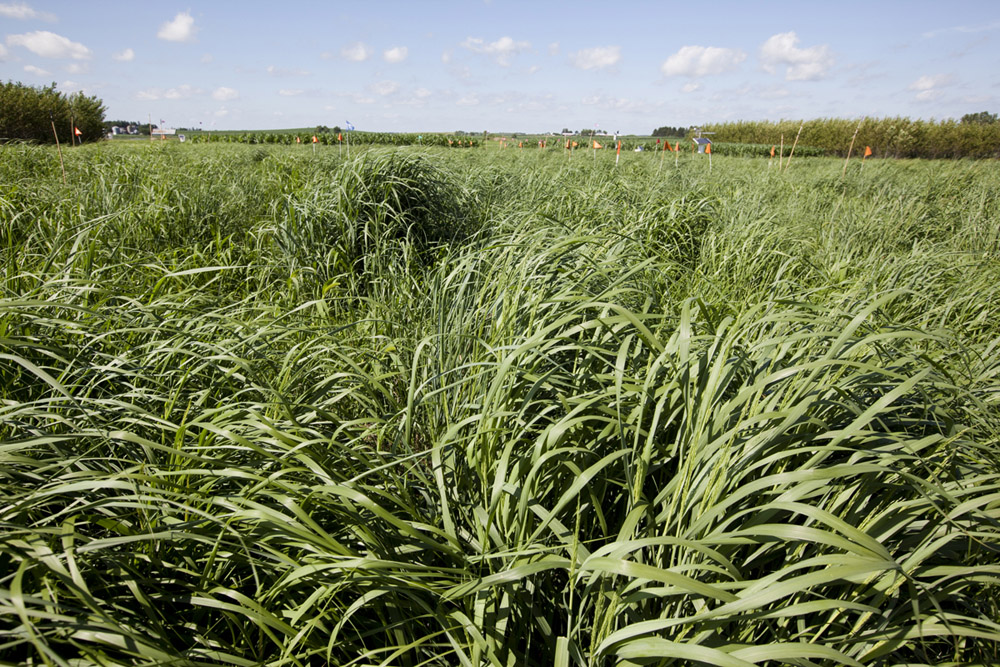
x,y
264,406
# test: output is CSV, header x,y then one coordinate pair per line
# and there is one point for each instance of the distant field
x,y
268,405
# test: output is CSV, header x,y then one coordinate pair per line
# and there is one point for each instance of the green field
x,y
261,405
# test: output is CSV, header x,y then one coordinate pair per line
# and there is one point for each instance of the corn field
x,y
264,406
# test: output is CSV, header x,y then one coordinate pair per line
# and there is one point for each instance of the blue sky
x,y
508,66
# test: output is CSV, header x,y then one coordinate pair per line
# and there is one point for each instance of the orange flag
x,y
567,143
677,147
315,139
597,145
619,151
77,131
575,144
868,151
667,146
772,151
297,140
708,148
340,137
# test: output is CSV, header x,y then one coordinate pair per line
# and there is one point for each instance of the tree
x,y
29,113
667,131
981,118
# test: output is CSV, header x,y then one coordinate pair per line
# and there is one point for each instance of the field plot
x,y
265,406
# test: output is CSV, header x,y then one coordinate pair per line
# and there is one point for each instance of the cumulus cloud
x,y
125,56
77,68
396,54
181,92
928,87
356,52
223,94
37,71
49,45
597,57
502,50
181,29
19,10
698,61
690,87
801,64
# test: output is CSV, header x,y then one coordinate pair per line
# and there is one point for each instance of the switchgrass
x,y
441,408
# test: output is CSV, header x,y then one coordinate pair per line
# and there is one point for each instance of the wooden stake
x,y
781,151
794,143
851,147
58,147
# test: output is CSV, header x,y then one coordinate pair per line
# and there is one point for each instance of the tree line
x,y
29,113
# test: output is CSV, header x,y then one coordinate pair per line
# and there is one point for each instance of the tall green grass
x,y
447,408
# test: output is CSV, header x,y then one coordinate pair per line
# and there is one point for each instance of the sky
x,y
506,65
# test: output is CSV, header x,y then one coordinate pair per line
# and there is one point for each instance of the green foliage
x,y
30,112
888,137
980,118
265,406
668,131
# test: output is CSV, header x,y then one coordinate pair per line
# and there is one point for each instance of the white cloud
x,y
222,94
128,55
690,87
37,71
982,27
928,82
446,56
356,52
181,92
928,87
396,54
22,11
502,51
49,45
384,88
181,29
222,112
77,68
467,101
597,57
554,49
3,52
291,92
802,64
696,61
422,93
